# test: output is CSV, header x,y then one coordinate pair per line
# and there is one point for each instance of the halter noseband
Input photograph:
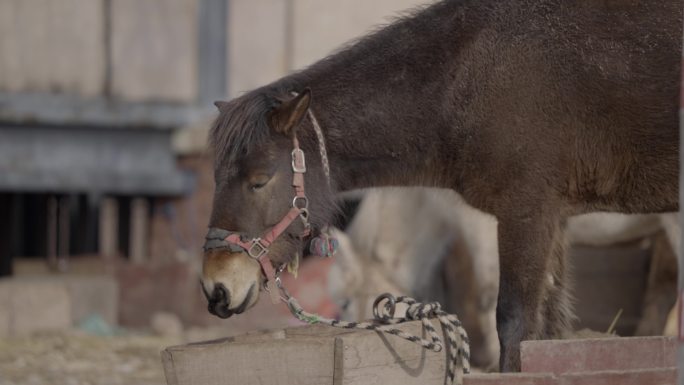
x,y
258,247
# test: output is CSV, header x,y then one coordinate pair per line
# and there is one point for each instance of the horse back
x,y
581,104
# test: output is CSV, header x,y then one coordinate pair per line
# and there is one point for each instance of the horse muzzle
x,y
230,281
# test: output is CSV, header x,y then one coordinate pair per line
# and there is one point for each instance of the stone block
x,y
37,306
93,295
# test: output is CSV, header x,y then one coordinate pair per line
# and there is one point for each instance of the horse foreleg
x,y
557,300
526,246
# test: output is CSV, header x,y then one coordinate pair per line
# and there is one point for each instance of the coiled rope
x,y
384,307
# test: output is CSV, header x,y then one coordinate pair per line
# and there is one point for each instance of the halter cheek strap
x,y
258,247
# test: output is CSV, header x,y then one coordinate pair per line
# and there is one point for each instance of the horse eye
x,y
258,181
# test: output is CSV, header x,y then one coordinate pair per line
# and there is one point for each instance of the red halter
x,y
257,248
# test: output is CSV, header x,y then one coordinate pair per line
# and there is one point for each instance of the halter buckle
x,y
257,249
298,161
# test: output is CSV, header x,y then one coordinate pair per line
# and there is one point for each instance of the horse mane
x,y
241,126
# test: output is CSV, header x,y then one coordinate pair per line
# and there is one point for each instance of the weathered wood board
x,y
306,355
323,355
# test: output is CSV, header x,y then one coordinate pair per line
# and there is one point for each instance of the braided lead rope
x,y
321,145
321,141
458,345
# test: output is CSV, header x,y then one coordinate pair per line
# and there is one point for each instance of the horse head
x,y
260,213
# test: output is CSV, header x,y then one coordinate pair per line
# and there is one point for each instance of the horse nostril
x,y
219,302
221,295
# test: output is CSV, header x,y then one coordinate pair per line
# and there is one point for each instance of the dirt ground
x,y
77,358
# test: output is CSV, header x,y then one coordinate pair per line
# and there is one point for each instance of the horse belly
x,y
631,178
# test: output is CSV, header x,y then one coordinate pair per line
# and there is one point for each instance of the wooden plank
x,y
374,358
52,222
261,58
657,376
48,46
139,230
335,23
169,369
109,228
511,379
255,336
306,361
154,50
8,231
6,316
64,231
317,331
573,356
307,355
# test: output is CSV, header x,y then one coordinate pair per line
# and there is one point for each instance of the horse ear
x,y
288,114
220,104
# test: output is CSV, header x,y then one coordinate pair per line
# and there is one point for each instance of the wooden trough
x,y
324,355
307,355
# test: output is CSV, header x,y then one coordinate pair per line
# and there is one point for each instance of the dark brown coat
x,y
533,110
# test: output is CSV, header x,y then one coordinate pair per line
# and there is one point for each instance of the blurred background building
x,y
106,180
104,111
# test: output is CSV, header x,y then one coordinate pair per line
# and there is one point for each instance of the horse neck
x,y
380,104
385,154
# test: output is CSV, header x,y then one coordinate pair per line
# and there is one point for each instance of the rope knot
x,y
455,337
418,311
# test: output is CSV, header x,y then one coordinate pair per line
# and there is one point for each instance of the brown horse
x,y
533,110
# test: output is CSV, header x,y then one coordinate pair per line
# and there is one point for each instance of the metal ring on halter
x,y
284,294
389,306
305,206
278,272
